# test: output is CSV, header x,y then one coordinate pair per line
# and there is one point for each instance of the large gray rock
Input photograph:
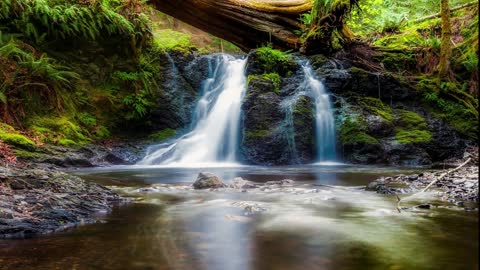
x,y
208,180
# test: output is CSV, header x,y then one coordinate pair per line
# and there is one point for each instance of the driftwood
x,y
399,200
437,15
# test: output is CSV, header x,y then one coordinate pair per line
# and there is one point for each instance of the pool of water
x,y
324,221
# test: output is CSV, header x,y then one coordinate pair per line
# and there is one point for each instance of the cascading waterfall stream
x,y
324,120
214,137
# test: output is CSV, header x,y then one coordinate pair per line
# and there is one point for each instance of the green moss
x,y
6,128
397,61
274,61
87,119
251,135
23,154
275,79
304,107
410,120
418,35
404,136
445,101
67,142
12,137
101,132
376,106
163,135
17,140
353,130
169,40
59,130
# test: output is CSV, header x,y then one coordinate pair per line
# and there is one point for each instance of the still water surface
x,y
324,221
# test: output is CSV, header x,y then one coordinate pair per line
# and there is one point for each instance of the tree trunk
x,y
253,23
245,25
446,48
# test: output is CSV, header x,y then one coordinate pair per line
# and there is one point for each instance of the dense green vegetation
x,y
77,71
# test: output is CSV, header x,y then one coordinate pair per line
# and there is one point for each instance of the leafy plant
x,y
31,79
138,105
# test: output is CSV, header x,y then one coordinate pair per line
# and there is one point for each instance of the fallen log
x,y
250,24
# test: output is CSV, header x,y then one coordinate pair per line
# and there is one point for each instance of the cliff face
x,y
380,119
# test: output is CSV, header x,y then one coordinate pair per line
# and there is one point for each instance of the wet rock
x,y
304,127
413,177
175,97
113,159
39,201
263,140
424,206
207,180
240,183
460,204
374,185
283,182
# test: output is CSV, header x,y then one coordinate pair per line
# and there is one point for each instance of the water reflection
x,y
323,222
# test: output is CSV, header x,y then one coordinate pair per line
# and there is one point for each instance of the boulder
x,y
208,180
240,183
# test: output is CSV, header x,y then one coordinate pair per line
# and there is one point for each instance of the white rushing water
x,y
213,139
324,120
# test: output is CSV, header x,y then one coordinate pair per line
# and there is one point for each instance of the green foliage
x,y
446,101
413,136
41,20
142,84
31,81
163,135
87,119
466,53
274,61
138,105
389,16
326,21
353,129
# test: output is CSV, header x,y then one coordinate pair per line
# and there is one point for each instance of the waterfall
x,y
213,137
324,120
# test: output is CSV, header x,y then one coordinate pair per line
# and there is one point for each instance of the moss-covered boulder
x,y
263,141
277,129
267,60
303,114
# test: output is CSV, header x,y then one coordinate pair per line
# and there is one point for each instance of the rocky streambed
x,y
37,198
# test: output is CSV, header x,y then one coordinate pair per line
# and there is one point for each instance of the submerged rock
x,y
283,182
208,180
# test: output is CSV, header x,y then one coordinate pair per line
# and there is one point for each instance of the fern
x,y
65,21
